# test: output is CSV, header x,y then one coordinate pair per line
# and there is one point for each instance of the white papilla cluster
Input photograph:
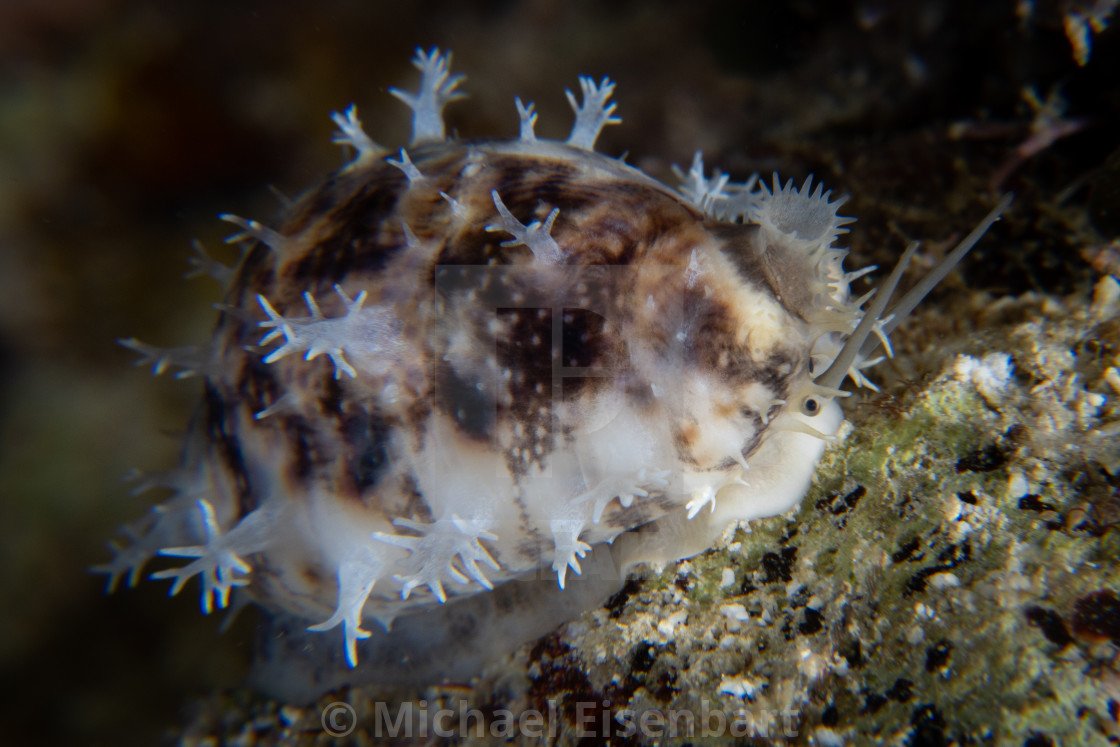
x,y
801,222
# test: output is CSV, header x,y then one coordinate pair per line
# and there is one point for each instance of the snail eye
x,y
810,406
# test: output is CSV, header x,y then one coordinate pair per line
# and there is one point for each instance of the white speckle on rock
x,y
740,687
290,715
924,611
814,665
944,581
727,579
990,375
668,626
826,737
735,612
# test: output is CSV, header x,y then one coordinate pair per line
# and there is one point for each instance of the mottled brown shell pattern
x,y
462,364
